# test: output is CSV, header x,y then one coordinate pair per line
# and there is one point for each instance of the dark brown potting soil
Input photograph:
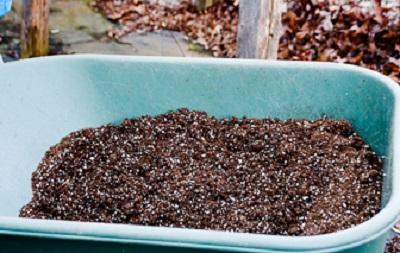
x,y
188,169
393,246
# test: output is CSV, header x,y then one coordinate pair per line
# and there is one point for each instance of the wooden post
x,y
259,29
34,28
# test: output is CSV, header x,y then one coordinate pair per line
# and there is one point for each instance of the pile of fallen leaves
x,y
322,31
314,30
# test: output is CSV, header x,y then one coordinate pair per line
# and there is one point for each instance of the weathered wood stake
x,y
259,29
34,28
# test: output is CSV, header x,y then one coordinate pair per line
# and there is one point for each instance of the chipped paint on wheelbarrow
x,y
43,99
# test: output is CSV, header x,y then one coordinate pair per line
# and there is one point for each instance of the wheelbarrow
x,y
43,99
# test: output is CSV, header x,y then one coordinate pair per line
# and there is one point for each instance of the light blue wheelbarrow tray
x,y
42,100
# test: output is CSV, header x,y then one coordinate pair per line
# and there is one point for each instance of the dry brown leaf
x,y
291,19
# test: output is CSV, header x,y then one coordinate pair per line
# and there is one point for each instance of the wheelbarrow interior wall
x,y
43,100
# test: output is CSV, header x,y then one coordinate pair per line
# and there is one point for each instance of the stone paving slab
x,y
72,37
99,47
163,43
155,43
79,28
76,15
